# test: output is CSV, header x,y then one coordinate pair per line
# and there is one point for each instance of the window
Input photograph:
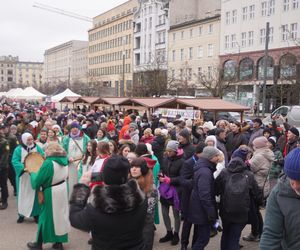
x,y
227,42
150,9
181,73
229,69
271,35
245,13
173,73
145,28
287,65
210,50
150,23
190,53
271,7
173,55
250,38
294,29
181,54
246,69
200,52
150,41
262,36
233,40
210,28
286,5
295,4
209,72
182,34
244,39
264,8
190,73
251,12
199,72
284,32
261,66
200,31
191,33
174,37
227,17
234,16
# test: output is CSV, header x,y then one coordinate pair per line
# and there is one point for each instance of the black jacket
x,y
236,165
234,141
188,150
158,147
4,153
115,215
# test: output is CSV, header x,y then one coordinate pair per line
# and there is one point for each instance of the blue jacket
x,y
202,205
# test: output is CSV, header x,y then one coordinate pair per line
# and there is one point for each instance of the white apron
x,y
60,205
75,153
26,192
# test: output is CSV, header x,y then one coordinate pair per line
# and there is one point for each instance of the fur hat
x,y
210,152
294,131
115,170
172,146
291,164
260,142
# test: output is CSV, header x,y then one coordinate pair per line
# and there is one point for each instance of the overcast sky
x,y
27,32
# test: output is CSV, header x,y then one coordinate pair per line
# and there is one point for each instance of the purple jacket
x,y
169,192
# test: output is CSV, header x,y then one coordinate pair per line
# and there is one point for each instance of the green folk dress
x,y
54,217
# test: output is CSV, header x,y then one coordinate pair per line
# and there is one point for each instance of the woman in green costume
x,y
27,198
54,225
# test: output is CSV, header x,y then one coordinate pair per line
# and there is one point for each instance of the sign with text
x,y
184,113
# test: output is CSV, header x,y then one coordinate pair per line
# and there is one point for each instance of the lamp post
x,y
265,69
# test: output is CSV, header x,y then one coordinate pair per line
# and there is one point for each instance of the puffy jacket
x,y
158,147
282,219
188,150
233,141
202,204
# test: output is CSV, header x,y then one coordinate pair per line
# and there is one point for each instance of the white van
x,y
290,113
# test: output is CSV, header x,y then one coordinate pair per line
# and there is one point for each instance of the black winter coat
x,y
234,141
236,165
202,205
158,147
188,150
186,183
115,215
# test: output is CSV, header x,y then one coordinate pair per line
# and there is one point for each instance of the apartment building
x,y
110,50
29,74
8,72
242,44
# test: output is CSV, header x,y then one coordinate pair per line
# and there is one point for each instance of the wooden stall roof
x,y
113,100
147,102
87,99
212,104
69,99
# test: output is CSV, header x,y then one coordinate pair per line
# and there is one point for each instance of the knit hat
x,y
172,146
294,131
260,142
133,125
241,153
115,170
185,134
126,137
272,140
75,125
209,125
291,164
140,162
210,152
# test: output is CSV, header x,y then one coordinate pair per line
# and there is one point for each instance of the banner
x,y
184,113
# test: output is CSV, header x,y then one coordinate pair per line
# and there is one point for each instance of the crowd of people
x,y
107,172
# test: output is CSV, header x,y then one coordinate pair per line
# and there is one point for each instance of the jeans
x,y
3,185
231,236
203,235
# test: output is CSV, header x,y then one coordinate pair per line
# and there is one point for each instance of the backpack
x,y
236,198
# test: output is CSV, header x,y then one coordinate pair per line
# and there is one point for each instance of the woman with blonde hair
x,y
139,171
148,136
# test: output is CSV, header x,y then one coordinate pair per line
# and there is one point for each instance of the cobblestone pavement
x,y
15,236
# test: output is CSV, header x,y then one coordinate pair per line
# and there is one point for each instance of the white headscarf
x,y
25,137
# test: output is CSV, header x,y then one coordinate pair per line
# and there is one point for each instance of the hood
x,y
135,132
285,188
117,198
150,162
127,121
236,165
266,152
61,160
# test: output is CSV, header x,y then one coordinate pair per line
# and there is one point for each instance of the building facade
x,y
79,66
110,50
60,64
193,54
242,44
151,26
29,74
8,72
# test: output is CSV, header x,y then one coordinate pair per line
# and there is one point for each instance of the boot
x,y
184,247
167,237
36,219
251,237
90,241
175,239
34,246
20,219
58,246
3,206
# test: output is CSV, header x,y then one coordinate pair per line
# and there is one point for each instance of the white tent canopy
x,y
32,93
14,93
66,93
